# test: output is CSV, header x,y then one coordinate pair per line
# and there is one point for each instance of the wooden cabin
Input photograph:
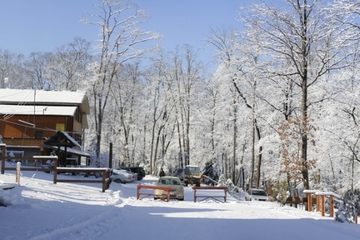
x,y
29,117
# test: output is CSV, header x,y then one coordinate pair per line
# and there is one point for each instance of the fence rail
x,y
38,164
213,196
104,172
139,193
320,200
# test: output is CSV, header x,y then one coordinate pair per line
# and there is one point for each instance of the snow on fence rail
x,y
103,172
310,194
320,201
145,193
36,163
221,193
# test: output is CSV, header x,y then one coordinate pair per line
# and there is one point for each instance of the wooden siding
x,y
45,126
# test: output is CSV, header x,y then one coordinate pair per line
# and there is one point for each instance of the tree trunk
x,y
234,141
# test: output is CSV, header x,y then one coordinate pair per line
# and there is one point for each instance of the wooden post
x,y
3,153
318,203
110,155
309,202
321,198
331,206
168,195
55,170
103,181
18,169
310,193
138,192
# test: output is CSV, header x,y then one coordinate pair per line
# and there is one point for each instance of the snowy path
x,y
43,210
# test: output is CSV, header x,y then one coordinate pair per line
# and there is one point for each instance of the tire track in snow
x,y
93,226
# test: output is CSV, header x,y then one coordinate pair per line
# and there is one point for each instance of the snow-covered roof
x,y
69,150
37,110
41,97
62,138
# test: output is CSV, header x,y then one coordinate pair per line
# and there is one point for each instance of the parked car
x,y
192,175
138,170
134,175
177,189
121,176
256,194
179,172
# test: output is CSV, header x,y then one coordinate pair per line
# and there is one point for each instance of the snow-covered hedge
x,y
350,207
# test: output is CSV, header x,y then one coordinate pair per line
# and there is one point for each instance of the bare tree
x,y
120,39
36,70
12,70
67,67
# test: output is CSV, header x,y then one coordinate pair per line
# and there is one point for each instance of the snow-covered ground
x,y
43,210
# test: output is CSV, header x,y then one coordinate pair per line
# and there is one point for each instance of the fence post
x,y
103,181
3,153
138,191
317,203
18,169
322,203
104,178
55,170
309,202
331,206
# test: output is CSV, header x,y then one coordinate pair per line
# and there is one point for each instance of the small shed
x,y
67,149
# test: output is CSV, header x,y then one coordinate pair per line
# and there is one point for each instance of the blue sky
x,y
42,25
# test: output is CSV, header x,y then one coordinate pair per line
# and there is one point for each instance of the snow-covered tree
x,y
308,41
120,41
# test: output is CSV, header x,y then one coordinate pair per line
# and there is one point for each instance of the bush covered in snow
x,y
349,208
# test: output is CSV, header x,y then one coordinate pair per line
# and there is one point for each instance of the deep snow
x,y
42,210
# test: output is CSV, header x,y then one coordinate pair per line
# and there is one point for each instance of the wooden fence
x,y
216,197
37,163
139,193
319,197
34,163
104,173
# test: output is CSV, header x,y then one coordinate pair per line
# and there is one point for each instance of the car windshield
x,y
118,172
192,169
169,181
258,192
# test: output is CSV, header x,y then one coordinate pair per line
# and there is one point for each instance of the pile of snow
x,y
42,210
